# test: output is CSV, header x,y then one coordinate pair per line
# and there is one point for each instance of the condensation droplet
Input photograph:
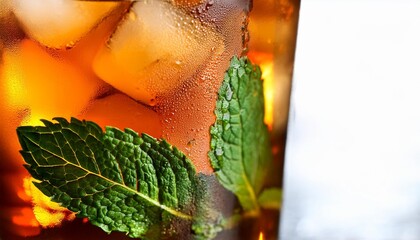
x,y
219,152
70,45
132,15
191,142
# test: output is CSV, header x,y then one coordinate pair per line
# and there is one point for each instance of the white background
x,y
352,166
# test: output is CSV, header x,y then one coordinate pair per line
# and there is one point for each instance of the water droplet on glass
x,y
219,152
132,15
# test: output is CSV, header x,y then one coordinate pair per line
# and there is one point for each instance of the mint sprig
x,y
240,144
119,180
145,187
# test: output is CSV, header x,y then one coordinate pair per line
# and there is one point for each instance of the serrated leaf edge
x,y
255,210
154,202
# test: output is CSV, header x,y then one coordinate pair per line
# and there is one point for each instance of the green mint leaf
x,y
119,180
240,147
270,198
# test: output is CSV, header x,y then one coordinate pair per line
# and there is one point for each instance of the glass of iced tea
x,y
151,119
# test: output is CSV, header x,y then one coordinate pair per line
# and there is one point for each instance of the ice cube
x,y
60,23
35,85
155,49
118,110
38,85
83,53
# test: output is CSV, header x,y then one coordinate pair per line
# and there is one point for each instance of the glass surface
x,y
352,158
152,66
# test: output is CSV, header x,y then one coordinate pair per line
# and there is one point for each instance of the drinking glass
x,y
149,119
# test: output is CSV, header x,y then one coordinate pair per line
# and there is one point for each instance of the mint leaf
x,y
240,148
270,198
119,180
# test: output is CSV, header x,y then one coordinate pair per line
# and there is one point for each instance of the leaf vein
x,y
145,197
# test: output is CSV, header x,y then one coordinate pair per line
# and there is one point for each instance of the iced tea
x,y
143,118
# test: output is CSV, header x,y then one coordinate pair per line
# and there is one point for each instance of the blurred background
x,y
353,145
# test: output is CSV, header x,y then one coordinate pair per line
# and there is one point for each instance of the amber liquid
x,y
273,28
42,77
